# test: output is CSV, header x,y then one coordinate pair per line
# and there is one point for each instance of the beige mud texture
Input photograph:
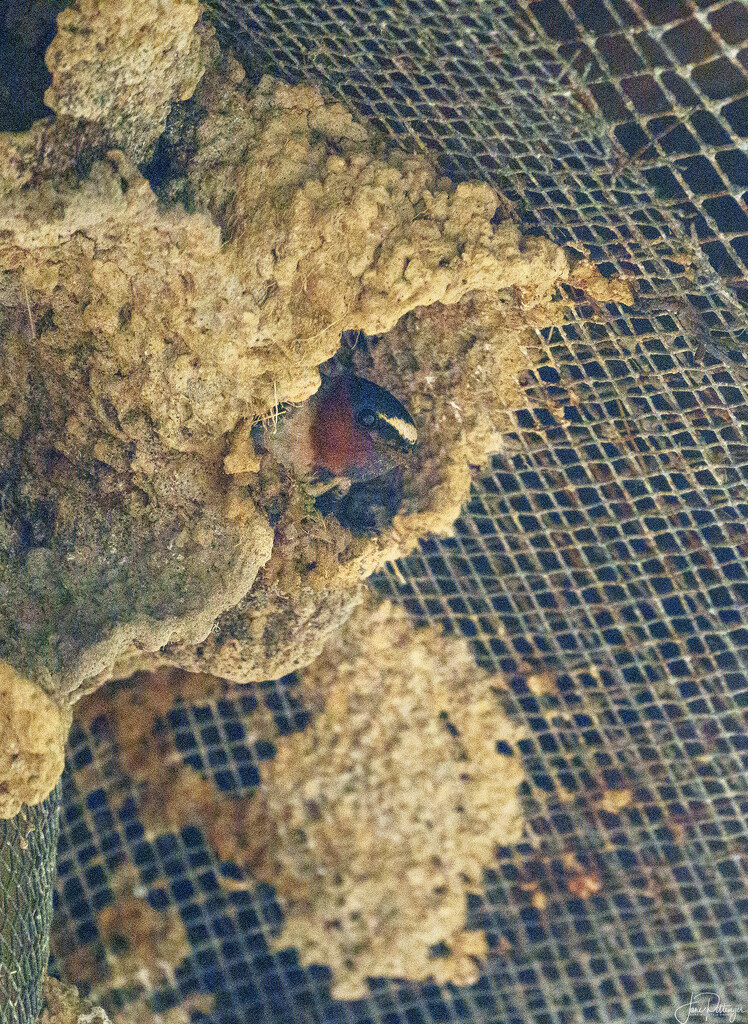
x,y
33,730
388,807
143,333
373,824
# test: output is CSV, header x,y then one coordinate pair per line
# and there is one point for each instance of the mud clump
x,y
63,1005
389,805
33,729
125,64
373,824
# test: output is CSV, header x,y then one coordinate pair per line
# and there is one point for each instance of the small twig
x,y
693,325
396,572
28,310
275,406
327,327
630,159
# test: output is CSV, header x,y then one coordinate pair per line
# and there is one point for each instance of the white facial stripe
x,y
405,430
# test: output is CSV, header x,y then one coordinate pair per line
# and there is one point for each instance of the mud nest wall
x,y
600,563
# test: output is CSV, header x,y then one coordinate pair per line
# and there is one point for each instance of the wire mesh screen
x,y
602,561
27,858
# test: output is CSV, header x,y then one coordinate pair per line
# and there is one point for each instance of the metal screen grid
x,y
605,550
671,78
27,844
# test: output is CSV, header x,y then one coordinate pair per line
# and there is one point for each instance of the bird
x,y
350,431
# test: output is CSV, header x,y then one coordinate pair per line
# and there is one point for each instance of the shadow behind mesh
x,y
605,550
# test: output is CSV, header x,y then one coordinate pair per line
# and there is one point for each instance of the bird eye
x,y
367,418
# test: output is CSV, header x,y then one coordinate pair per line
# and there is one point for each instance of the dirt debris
x,y
141,1012
614,800
542,684
63,1005
586,277
137,952
171,794
143,946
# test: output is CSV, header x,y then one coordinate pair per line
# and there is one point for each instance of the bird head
x,y
364,426
349,429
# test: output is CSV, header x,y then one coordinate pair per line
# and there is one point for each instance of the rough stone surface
x,y
266,636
